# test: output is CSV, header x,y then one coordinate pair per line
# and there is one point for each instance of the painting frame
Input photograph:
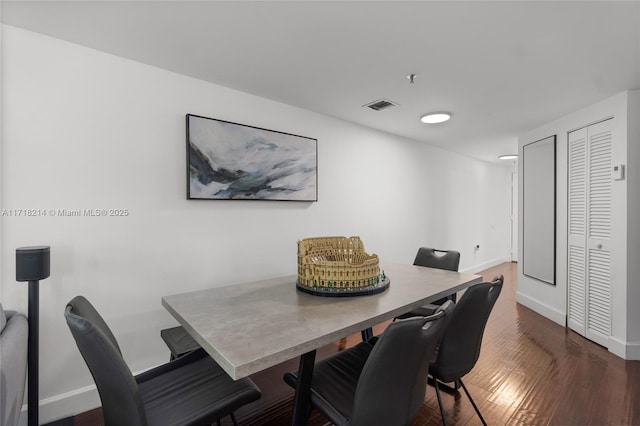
x,y
234,161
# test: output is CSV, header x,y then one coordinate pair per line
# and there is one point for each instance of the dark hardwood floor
x,y
531,372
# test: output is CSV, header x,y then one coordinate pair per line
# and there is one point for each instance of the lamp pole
x,y
33,265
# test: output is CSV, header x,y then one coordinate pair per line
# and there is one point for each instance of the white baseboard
x,y
64,405
617,347
543,309
633,351
625,350
68,404
486,265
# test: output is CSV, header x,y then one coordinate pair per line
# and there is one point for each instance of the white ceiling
x,y
500,67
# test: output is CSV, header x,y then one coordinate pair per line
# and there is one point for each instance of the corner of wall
x,y
629,351
633,215
543,309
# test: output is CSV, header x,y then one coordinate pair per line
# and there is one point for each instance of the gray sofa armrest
x,y
13,367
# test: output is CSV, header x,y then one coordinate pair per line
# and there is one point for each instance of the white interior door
x,y
590,191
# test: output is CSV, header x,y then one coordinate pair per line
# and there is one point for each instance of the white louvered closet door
x,y
577,196
589,269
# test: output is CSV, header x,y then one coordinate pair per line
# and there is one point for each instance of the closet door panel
x,y
599,200
577,198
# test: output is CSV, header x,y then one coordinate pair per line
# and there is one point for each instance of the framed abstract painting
x,y
231,161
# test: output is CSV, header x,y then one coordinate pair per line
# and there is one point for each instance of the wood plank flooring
x,y
530,372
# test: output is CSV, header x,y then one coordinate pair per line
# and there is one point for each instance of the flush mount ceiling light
x,y
435,117
508,157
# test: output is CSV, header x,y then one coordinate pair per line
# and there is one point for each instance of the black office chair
x,y
381,384
192,390
434,258
459,348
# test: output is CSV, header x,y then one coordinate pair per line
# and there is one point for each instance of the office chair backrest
x,y
440,259
460,345
393,382
121,401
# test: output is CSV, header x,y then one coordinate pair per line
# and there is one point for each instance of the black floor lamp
x,y
33,265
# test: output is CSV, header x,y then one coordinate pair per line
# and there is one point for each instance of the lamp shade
x,y
33,263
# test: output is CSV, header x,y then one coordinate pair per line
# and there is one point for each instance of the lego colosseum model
x,y
338,266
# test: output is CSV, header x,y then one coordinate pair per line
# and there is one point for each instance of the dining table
x,y
249,327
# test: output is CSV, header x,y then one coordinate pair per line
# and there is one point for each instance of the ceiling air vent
x,y
380,104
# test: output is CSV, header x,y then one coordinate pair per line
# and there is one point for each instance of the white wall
x,y
551,301
633,224
1,125
84,129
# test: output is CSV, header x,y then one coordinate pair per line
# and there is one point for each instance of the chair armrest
x,y
178,341
422,311
171,365
429,308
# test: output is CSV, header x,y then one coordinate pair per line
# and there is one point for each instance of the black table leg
x,y
302,401
366,334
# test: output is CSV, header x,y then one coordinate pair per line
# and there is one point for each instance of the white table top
x,y
249,327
